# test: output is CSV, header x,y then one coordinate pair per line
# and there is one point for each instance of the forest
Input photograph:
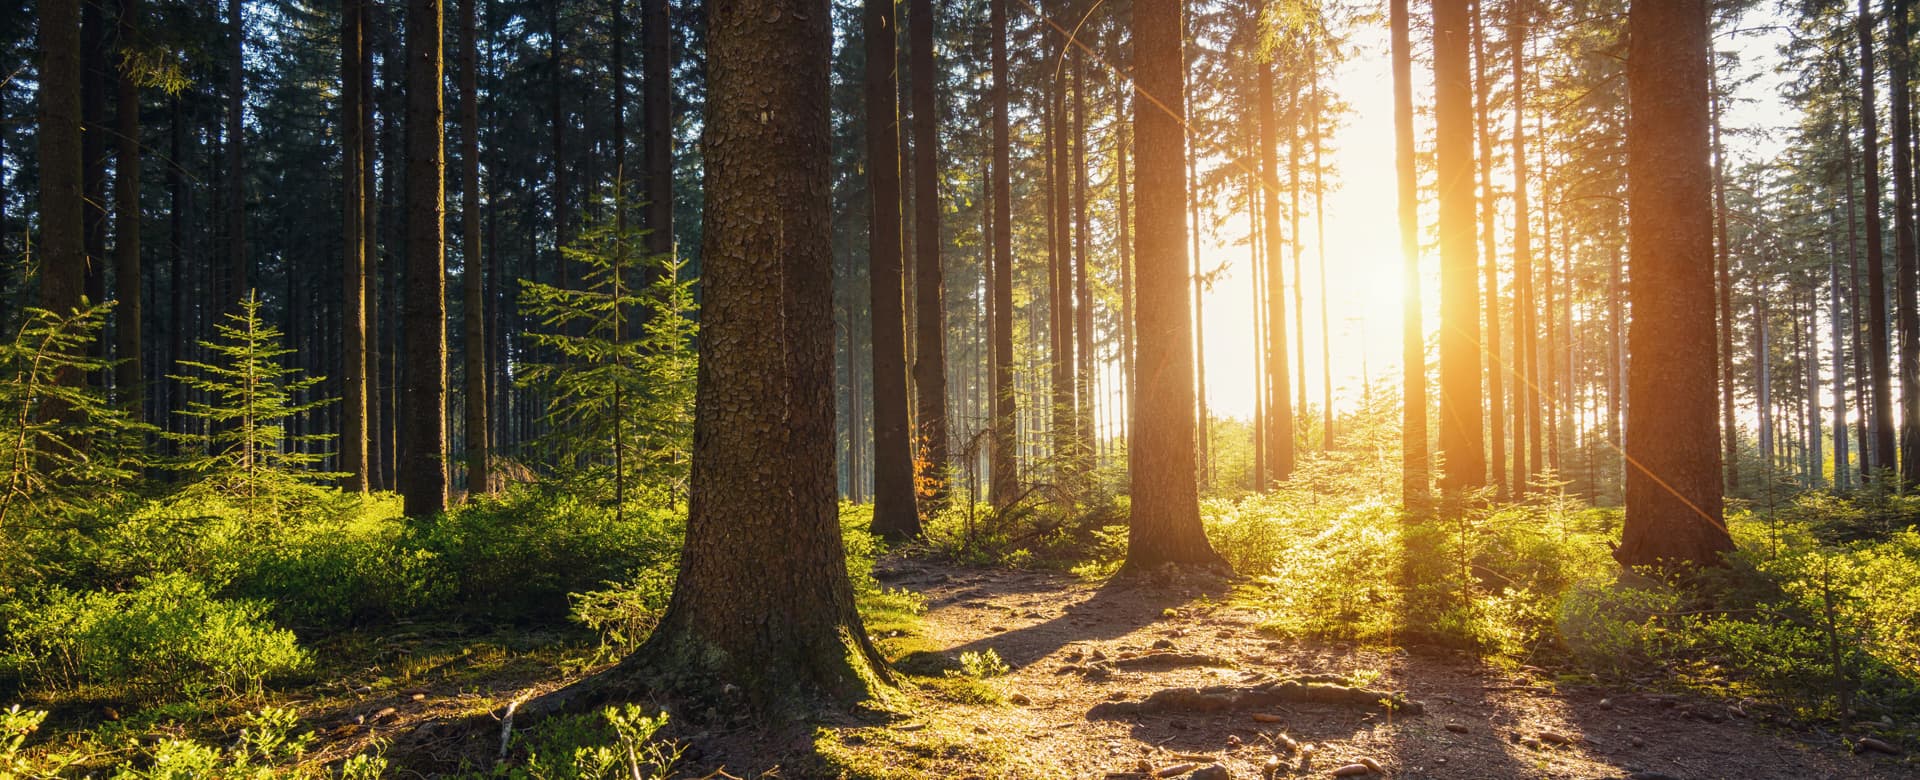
x,y
1117,389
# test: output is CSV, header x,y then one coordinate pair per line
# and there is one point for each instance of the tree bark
x,y
1880,361
237,265
656,100
423,467
63,252
1415,477
1005,461
930,313
1673,491
353,324
1526,318
1906,253
777,619
1278,443
1461,442
129,376
472,263
894,514
1490,262
1165,526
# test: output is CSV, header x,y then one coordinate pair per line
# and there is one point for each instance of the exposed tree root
x,y
1220,698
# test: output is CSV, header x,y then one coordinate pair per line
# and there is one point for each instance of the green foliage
x,y
61,443
619,392
244,449
624,613
617,743
982,665
168,634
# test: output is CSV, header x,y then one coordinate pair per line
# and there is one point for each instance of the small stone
x,y
1352,770
384,712
1163,644
1233,740
1556,738
1637,742
998,629
1097,655
1457,728
1020,699
1211,772
1606,704
1285,744
1373,765
1174,771
419,697
1262,717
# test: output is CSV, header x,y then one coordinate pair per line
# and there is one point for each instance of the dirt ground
x,y
1068,715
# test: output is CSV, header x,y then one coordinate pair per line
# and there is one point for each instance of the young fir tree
x,y
620,413
248,400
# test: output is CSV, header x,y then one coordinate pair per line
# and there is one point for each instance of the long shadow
x,y
1117,608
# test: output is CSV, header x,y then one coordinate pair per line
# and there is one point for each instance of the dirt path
x,y
1078,678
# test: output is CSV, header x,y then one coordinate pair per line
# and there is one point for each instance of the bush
x,y
617,743
167,635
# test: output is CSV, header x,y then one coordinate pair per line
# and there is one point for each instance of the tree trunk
x,y
1527,400
894,513
1673,492
1005,461
1490,265
1082,289
930,320
129,376
1723,268
472,264
1279,417
1320,252
1836,315
237,282
423,472
379,419
63,251
1880,361
353,428
1906,253
1461,443
1415,494
776,619
1165,526
656,100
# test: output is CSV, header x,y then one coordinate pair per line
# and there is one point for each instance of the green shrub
x,y
344,570
169,634
617,743
624,613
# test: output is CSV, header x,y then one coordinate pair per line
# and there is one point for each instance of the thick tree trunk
x,y
1082,289
894,513
129,376
1278,443
1673,491
1880,359
776,619
472,264
1461,442
930,290
1165,526
423,402
353,321
63,251
1415,493
1005,467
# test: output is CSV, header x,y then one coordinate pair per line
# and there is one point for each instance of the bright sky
x,y
1363,244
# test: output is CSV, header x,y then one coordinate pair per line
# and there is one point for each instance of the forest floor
x,y
1085,661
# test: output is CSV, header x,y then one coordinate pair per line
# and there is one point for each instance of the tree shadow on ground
x,y
1118,607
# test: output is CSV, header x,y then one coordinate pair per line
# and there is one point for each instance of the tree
x,y
1673,490
1414,475
422,473
1005,465
236,163
1165,527
762,599
1881,421
930,320
1906,252
1461,444
1278,446
129,377
656,103
479,445
894,513
63,253
353,312
1526,407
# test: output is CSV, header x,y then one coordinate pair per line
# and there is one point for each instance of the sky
x,y
1363,238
